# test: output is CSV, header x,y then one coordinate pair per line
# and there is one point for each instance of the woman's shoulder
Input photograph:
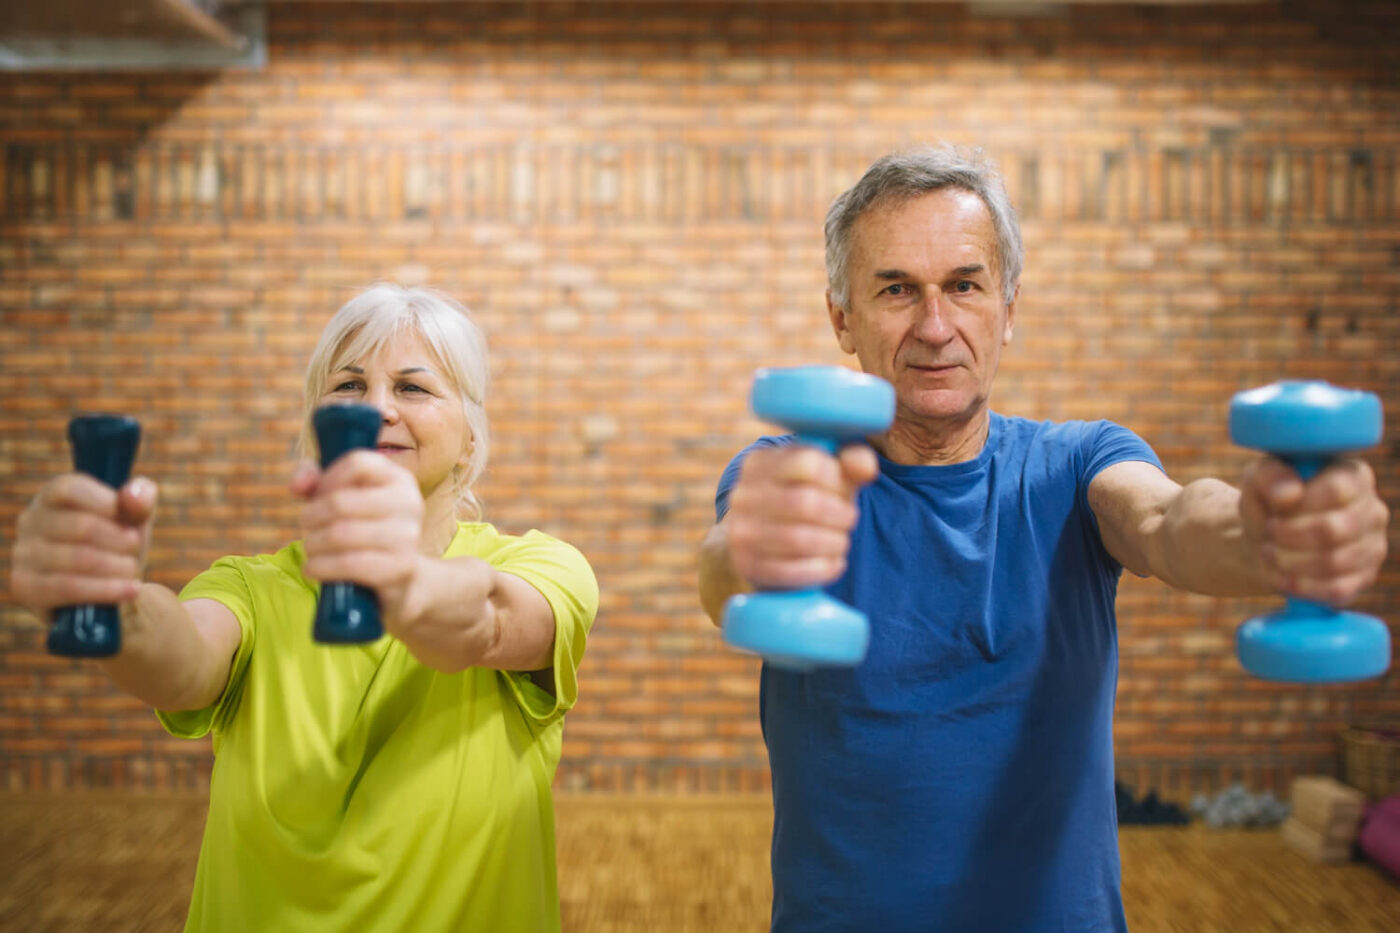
x,y
283,563
480,539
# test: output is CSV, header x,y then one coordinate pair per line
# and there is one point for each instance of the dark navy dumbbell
x,y
346,613
104,447
1307,424
826,407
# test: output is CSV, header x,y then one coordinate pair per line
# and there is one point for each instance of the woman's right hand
x,y
81,541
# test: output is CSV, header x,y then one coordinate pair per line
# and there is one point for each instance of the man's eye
x,y
898,289
965,286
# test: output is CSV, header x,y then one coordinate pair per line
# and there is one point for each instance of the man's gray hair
x,y
904,175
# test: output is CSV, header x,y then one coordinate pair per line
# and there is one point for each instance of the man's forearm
x,y
1201,546
718,581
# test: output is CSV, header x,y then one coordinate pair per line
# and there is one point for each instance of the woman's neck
x,y
439,520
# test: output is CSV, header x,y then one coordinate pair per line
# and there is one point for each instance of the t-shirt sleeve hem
x,y
197,723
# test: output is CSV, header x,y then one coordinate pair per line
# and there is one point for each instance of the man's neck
x,y
935,442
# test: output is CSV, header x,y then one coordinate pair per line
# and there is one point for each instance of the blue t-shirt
x,y
960,778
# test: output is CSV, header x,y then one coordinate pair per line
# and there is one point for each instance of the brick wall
x,y
630,197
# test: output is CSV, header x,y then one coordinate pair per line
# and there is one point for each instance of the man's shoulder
x,y
1089,445
1027,432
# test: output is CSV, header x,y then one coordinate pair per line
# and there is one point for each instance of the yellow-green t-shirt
x,y
356,789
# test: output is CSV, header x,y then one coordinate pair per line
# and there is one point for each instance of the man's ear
x,y
837,314
1011,316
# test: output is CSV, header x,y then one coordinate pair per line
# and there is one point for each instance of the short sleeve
x,y
730,476
1111,443
224,582
562,575
1106,444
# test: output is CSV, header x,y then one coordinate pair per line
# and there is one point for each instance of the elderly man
x,y
961,778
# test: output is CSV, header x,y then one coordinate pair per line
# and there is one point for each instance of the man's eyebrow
x,y
890,275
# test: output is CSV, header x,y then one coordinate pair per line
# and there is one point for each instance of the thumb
x,y
136,501
859,464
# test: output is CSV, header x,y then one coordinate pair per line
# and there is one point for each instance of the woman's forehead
x,y
402,350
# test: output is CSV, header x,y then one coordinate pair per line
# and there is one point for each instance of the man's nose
x,y
933,325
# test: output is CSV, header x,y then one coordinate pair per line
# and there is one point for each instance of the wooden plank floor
x,y
88,861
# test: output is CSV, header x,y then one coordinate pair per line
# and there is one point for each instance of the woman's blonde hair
x,y
377,315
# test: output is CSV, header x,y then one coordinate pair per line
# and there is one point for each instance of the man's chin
x,y
938,404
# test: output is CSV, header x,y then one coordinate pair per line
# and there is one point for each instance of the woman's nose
x,y
383,399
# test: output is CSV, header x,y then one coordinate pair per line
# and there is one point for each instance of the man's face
x,y
926,310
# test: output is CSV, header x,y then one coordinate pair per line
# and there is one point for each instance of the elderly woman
x,y
402,784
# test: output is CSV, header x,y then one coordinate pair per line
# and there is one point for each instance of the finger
x,y
48,557
351,503
792,465
305,478
1308,531
1341,483
1363,555
80,492
71,526
776,506
363,567
1279,486
44,592
756,542
1332,591
360,468
792,574
346,536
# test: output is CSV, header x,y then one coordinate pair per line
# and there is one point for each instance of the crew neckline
x,y
935,471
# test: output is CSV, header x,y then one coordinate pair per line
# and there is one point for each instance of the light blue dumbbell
x,y
826,407
1306,424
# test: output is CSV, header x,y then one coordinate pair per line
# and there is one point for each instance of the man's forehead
x,y
948,220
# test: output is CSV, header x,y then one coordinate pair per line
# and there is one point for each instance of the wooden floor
x,y
663,865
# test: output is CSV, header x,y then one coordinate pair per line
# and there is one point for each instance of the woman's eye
x,y
347,386
410,387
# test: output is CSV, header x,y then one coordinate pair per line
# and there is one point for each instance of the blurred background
x,y
629,196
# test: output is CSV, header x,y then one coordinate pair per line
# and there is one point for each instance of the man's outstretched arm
x,y
1323,541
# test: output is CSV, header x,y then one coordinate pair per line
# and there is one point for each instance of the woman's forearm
x,y
169,659
462,612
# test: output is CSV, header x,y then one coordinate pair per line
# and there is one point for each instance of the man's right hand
x,y
791,513
80,542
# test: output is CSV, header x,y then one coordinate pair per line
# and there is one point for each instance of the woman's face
x,y
424,428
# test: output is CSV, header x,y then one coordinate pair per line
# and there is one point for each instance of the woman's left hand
x,y
363,523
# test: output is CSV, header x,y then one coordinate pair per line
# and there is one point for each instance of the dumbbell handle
x,y
346,613
827,444
104,447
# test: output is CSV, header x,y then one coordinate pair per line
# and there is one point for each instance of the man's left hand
x,y
1324,540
